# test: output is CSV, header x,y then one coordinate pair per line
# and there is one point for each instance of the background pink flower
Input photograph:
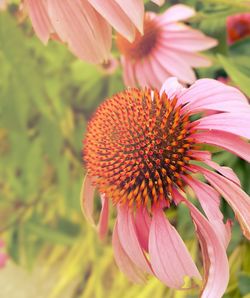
x,y
142,150
238,27
3,256
167,48
86,25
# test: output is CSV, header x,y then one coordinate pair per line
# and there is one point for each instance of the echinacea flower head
x,y
238,27
143,148
86,25
167,48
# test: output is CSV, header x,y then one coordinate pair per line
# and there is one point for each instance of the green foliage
x,y
46,98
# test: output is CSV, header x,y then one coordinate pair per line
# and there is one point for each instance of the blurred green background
x,y
46,99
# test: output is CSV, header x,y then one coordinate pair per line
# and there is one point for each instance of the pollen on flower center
x,y
143,44
137,146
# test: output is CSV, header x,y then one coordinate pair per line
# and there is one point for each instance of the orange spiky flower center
x,y
142,44
137,146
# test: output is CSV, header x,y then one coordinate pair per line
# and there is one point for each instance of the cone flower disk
x,y
142,150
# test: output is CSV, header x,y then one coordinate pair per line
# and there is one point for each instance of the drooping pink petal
x,y
225,171
142,223
213,95
236,123
216,269
169,256
87,199
128,73
175,65
227,141
104,216
124,262
134,9
153,77
159,68
177,12
209,199
172,88
234,195
201,155
113,13
82,28
129,239
140,75
38,13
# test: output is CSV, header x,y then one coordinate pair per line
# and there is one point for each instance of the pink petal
x,y
104,216
158,67
225,171
172,87
236,123
38,13
87,199
3,260
175,65
187,39
142,223
129,239
177,12
124,262
227,141
213,95
169,256
113,13
234,195
195,59
209,199
216,269
82,28
140,74
153,78
128,73
134,9
201,155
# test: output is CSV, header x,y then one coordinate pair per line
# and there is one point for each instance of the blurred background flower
x,y
238,27
85,25
3,256
167,48
47,96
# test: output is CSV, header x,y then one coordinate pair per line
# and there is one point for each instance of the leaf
x,y
49,234
244,283
240,79
241,47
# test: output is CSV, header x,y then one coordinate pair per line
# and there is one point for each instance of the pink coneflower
x,y
167,48
238,27
3,256
86,25
141,151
